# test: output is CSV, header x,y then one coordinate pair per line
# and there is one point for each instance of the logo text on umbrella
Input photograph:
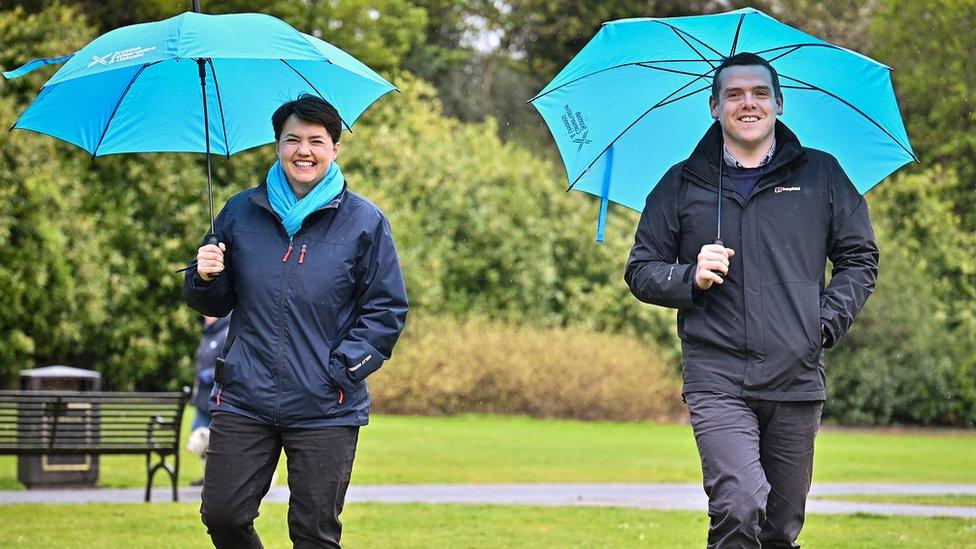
x,y
576,127
117,56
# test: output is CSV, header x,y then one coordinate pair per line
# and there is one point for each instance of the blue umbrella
x,y
193,83
634,101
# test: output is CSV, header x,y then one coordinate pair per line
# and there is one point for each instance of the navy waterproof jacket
x,y
759,334
312,317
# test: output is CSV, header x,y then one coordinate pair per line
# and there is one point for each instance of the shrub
x,y
446,366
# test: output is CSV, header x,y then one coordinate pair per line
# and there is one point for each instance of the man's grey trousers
x,y
757,462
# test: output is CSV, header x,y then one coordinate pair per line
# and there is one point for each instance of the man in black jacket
x,y
754,313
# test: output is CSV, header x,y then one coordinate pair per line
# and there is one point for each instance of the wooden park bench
x,y
95,423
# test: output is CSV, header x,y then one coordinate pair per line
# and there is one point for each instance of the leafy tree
x,y
53,290
548,33
929,45
909,357
839,22
378,34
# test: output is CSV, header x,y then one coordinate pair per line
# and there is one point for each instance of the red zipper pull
x,y
342,396
287,253
219,391
301,256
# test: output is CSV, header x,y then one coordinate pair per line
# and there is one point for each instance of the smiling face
x,y
747,108
306,151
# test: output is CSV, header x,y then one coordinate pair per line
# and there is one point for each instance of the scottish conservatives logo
x,y
576,127
119,56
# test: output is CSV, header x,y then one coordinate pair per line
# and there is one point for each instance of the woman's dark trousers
x,y
757,462
241,459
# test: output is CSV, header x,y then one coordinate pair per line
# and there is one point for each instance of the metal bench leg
x,y
176,474
149,476
152,472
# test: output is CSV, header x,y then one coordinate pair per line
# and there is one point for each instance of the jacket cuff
x,y
356,360
340,374
827,332
196,282
699,297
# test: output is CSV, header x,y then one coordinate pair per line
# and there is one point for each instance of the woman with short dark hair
x,y
310,271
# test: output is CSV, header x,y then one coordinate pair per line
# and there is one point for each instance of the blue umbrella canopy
x,y
138,88
634,101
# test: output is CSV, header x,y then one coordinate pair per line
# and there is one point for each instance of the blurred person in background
x,y
214,336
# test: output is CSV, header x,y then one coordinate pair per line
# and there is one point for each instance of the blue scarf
x,y
293,211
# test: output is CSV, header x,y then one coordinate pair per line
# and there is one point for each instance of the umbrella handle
x,y
722,244
212,239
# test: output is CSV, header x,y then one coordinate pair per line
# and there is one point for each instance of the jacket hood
x,y
707,156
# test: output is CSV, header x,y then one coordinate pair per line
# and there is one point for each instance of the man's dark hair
x,y
739,60
311,109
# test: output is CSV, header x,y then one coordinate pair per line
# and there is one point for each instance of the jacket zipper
x,y
301,256
281,328
342,396
219,392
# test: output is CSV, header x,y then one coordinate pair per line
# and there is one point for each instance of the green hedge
x,y
447,366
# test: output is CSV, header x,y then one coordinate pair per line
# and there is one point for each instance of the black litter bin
x,y
63,470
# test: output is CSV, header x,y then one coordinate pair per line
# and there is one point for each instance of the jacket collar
x,y
260,198
707,156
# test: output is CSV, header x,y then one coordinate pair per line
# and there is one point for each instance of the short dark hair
x,y
312,109
744,59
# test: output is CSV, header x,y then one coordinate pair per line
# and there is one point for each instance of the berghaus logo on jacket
x,y
785,189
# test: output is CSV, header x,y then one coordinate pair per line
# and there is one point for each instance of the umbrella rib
x,y
799,45
794,47
735,41
44,91
687,43
220,106
302,76
117,105
813,87
666,101
686,73
782,55
668,98
681,32
641,63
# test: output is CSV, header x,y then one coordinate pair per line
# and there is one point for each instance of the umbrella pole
x,y
201,64
718,202
212,235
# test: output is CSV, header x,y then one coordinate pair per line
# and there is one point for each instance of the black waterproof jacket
x,y
312,317
758,335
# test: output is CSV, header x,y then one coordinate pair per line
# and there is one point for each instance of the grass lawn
x,y
455,526
952,500
485,449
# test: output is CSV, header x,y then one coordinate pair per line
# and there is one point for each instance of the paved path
x,y
645,496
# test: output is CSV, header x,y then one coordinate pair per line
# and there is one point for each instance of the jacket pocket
x,y
720,323
329,394
791,315
236,371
